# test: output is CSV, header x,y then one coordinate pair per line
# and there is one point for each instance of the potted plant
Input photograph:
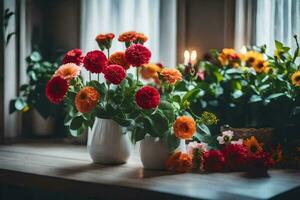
x,y
32,97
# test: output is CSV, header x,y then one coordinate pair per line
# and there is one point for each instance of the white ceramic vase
x,y
107,144
154,152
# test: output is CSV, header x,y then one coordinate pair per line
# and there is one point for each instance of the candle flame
x,y
193,56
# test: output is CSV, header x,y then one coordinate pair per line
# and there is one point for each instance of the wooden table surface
x,y
59,167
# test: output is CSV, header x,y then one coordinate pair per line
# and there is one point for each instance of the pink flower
x,y
240,142
68,71
201,75
226,137
195,146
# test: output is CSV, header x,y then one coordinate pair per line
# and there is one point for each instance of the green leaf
x,y
190,94
203,128
100,87
255,98
160,123
122,121
138,134
172,141
274,96
167,109
234,71
35,56
278,45
76,123
237,94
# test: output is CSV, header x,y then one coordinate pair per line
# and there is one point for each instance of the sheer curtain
x,y
277,20
155,18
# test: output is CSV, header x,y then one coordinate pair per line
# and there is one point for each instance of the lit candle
x,y
243,50
186,56
193,57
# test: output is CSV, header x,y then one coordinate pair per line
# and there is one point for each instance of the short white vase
x,y
107,144
154,152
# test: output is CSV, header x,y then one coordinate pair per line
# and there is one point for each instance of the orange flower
x,y
253,146
251,56
140,38
104,37
171,75
149,71
86,99
296,78
184,127
260,66
229,57
118,58
68,71
276,154
127,36
179,162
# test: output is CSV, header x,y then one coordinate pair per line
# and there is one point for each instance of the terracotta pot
x,y
107,144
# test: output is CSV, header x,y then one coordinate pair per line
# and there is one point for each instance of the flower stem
x,y
106,94
98,77
90,76
137,74
108,53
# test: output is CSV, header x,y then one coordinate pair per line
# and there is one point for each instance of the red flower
x,y
114,74
95,61
147,97
137,55
235,156
213,161
74,56
258,163
56,89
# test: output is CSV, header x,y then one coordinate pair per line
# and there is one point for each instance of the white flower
x,y
192,146
226,137
240,141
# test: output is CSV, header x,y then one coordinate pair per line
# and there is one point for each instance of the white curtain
x,y
155,18
277,20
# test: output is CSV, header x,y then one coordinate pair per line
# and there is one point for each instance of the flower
x,y
179,162
86,99
213,161
258,163
118,58
184,127
68,71
276,154
73,56
104,40
171,75
114,74
229,57
147,97
137,55
239,141
201,75
140,38
235,156
209,118
226,137
127,36
95,61
253,146
56,89
149,71
251,56
195,150
296,78
260,66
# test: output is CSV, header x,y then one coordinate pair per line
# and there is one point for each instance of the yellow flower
x,y
296,78
260,66
251,56
252,145
149,71
209,118
229,57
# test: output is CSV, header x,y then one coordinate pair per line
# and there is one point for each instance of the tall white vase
x,y
107,144
154,152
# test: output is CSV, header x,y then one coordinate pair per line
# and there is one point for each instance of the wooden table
x,y
55,166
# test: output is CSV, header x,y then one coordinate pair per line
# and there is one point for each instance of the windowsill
x,y
60,167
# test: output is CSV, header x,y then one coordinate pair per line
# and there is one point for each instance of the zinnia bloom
x,y
184,127
114,74
56,89
137,55
68,71
251,56
149,71
213,161
260,66
118,58
140,38
147,97
253,146
73,56
171,75
229,57
104,40
235,156
127,36
226,137
296,78
86,99
95,61
179,162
